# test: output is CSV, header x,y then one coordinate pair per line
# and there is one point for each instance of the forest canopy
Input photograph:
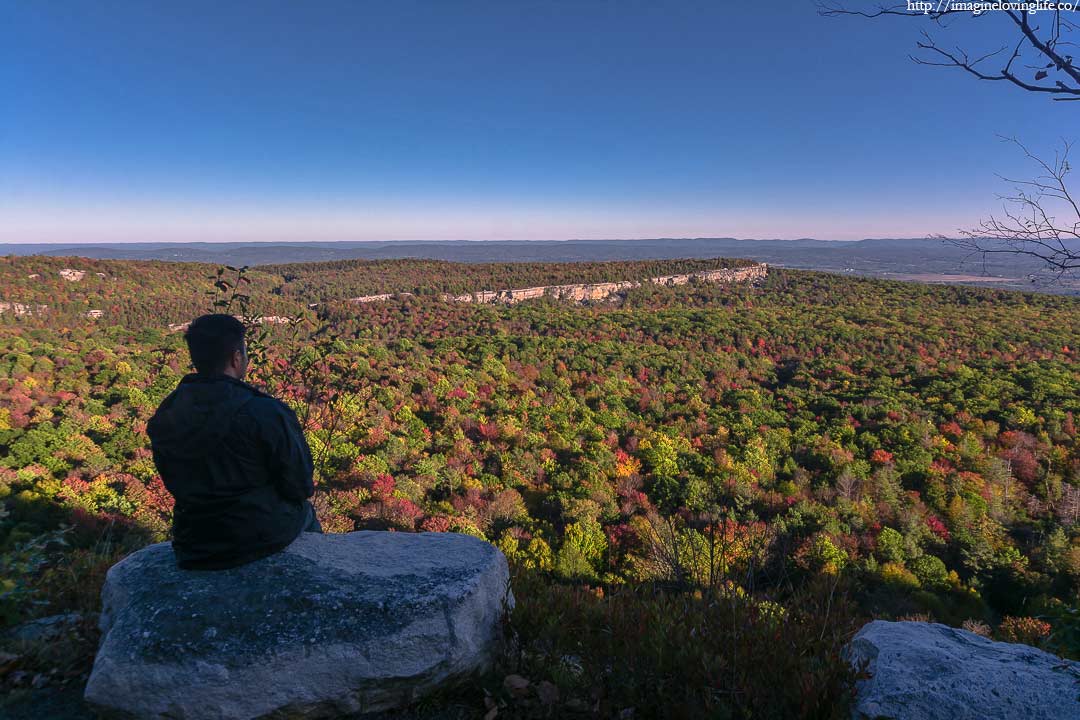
x,y
917,445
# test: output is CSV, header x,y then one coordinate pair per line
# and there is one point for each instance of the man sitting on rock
x,y
234,457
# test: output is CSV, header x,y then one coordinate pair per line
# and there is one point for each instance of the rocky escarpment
x,y
332,625
591,292
379,298
260,320
21,309
927,671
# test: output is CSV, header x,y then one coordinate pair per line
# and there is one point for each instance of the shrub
x,y
1064,622
931,572
19,568
899,576
685,655
1027,630
890,545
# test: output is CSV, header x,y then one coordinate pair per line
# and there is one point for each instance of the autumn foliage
x,y
913,446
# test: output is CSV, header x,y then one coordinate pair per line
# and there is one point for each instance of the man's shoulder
x,y
260,402
262,405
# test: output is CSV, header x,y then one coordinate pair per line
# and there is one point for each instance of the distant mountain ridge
x,y
902,258
267,253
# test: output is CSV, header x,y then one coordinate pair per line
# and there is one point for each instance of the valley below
x,y
695,467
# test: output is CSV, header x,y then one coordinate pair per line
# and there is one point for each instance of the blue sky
x,y
523,119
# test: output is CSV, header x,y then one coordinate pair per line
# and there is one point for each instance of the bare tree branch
x,y
1043,48
1041,219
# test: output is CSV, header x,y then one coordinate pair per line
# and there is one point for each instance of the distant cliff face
x,y
582,292
21,308
273,319
379,298
602,291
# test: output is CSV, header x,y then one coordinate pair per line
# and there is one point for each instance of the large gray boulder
x,y
332,625
934,672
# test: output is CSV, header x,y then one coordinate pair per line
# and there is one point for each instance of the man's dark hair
x,y
212,339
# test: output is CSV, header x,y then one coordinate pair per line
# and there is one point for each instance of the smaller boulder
x,y
45,629
929,671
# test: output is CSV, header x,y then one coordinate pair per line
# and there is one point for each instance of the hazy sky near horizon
x,y
511,119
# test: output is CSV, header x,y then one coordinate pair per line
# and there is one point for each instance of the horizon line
x,y
75,243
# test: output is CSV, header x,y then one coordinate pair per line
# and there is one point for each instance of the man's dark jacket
x,y
237,463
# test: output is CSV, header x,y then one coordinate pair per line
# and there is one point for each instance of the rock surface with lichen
x,y
332,625
928,671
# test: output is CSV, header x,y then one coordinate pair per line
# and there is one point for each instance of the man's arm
x,y
290,457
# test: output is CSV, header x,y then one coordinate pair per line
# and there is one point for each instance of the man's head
x,y
217,347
